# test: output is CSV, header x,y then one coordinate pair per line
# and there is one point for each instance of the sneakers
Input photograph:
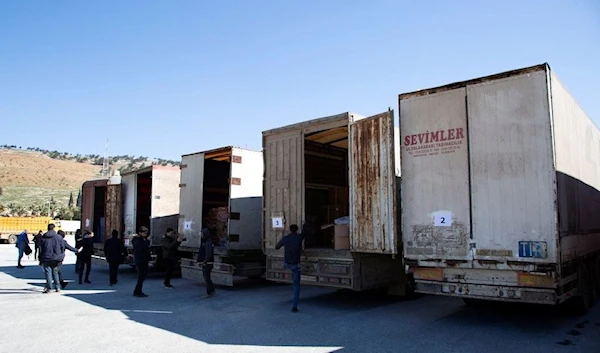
x,y
140,295
294,310
20,266
57,290
87,281
46,290
168,286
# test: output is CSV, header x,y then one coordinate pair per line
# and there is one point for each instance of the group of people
x,y
51,247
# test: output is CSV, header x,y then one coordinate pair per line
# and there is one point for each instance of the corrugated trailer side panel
x,y
245,205
283,191
512,174
577,146
435,176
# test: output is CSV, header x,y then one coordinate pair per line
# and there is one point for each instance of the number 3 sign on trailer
x,y
442,219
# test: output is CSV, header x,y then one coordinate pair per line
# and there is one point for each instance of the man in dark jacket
x,y
169,254
85,255
78,238
206,257
36,242
50,256
141,257
291,259
115,253
65,246
22,241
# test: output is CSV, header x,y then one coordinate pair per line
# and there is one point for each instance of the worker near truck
x,y
169,254
291,259
65,246
141,257
50,256
22,241
77,245
206,258
115,253
85,256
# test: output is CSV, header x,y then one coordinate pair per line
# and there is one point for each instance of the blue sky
x,y
166,78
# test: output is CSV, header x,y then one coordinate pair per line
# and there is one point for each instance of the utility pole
x,y
105,163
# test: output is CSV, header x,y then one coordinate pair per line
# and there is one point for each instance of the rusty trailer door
x,y
113,215
373,185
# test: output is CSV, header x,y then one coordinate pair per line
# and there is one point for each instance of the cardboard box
x,y
341,239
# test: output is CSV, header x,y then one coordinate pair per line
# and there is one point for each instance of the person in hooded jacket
x,y
115,253
78,238
65,246
141,257
85,256
51,254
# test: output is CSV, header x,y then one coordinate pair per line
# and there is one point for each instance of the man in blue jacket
x,y
292,244
22,242
51,254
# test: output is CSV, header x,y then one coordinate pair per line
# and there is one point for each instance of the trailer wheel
x,y
12,239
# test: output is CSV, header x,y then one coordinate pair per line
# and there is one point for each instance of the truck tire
x,y
12,239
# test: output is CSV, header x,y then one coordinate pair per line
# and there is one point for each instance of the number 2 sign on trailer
x,y
442,219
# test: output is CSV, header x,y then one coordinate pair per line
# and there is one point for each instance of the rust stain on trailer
x,y
371,187
447,241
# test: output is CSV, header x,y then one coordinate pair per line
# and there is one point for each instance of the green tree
x,y
70,204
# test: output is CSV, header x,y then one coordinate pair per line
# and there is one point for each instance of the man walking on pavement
x,y
22,241
169,254
65,246
141,256
50,255
206,257
115,253
85,256
291,259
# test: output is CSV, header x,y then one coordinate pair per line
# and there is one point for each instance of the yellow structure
x,y
11,227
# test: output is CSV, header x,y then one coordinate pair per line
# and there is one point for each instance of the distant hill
x,y
32,179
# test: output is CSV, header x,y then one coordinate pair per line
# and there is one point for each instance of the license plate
x,y
533,249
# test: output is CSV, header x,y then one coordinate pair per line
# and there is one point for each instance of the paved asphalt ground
x,y
257,318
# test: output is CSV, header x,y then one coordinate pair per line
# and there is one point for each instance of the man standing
x,y
206,257
169,254
50,255
78,238
115,253
36,242
291,259
85,256
141,257
65,246
21,244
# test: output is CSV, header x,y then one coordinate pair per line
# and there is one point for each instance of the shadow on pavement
x,y
257,313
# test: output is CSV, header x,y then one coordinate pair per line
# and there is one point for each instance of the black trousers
x,y
206,271
87,263
113,269
142,271
169,268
